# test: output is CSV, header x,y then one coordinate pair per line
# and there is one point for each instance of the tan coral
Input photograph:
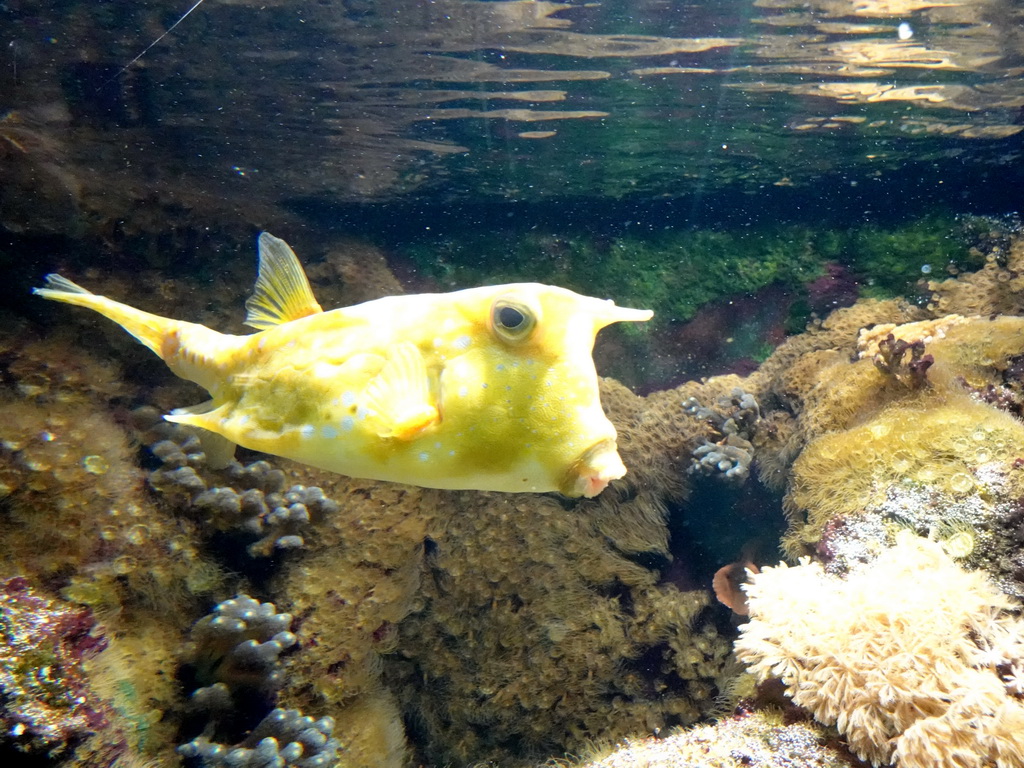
x,y
903,657
997,288
869,434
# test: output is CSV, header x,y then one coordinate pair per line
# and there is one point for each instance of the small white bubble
x,y
904,31
926,269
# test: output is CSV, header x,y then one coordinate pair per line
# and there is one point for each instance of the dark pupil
x,y
510,317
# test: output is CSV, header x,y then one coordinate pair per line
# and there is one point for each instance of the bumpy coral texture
x,y
913,659
756,740
937,450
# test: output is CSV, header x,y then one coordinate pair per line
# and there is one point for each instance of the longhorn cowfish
x,y
490,388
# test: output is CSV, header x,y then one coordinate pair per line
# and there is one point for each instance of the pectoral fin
x,y
398,399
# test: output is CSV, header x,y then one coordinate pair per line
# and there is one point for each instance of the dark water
x,y
428,103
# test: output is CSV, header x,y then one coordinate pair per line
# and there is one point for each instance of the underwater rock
x,y
40,194
545,638
80,516
46,704
912,658
751,740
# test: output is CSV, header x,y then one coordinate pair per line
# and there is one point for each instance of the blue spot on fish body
x,y
347,424
462,342
307,431
328,431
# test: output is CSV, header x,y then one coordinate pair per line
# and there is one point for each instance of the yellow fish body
x,y
489,388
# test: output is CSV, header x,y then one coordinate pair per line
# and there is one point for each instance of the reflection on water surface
x,y
356,101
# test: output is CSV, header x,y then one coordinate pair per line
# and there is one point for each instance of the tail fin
x,y
192,351
149,329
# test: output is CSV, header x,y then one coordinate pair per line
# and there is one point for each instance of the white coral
x,y
901,656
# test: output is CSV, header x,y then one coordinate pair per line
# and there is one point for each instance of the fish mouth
x,y
593,470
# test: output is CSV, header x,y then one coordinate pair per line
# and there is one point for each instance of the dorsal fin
x,y
282,292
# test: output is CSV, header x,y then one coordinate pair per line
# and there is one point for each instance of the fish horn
x,y
606,312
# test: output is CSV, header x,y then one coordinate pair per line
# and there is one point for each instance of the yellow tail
x,y
191,351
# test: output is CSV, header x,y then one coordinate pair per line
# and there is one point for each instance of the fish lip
x,y
595,468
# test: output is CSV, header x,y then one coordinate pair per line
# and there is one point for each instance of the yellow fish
x,y
490,389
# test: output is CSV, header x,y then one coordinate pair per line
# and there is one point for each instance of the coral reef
x,y
440,627
936,450
911,657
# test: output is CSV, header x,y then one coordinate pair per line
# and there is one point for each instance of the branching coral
x,y
889,360
283,739
729,452
236,651
908,657
252,500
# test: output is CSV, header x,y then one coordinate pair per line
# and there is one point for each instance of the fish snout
x,y
593,470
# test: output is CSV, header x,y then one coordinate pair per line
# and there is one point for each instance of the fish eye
x,y
512,320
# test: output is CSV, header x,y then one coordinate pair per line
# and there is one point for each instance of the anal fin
x,y
219,449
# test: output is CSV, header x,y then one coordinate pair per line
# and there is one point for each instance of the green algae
x,y
676,272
